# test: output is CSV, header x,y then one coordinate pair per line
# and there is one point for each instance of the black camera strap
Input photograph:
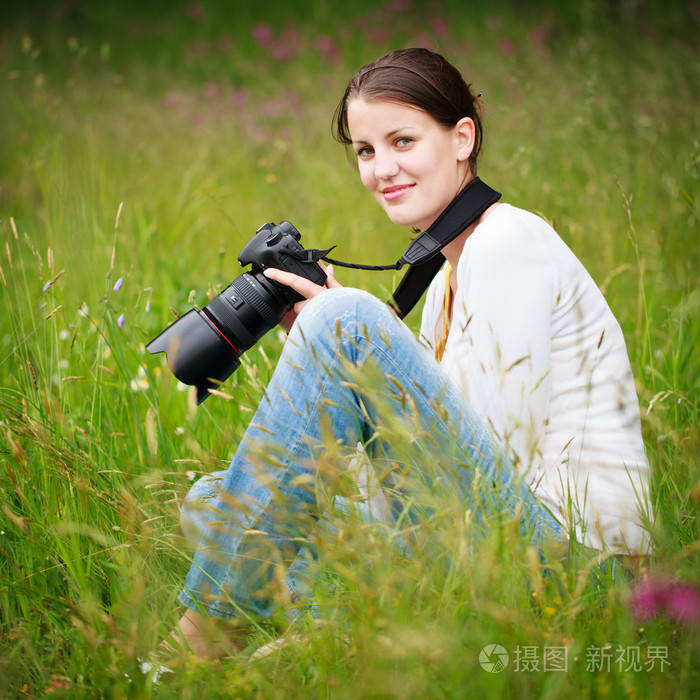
x,y
422,255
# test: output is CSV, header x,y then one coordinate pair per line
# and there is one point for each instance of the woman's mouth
x,y
391,194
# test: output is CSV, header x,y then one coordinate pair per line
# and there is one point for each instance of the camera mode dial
x,y
288,227
274,238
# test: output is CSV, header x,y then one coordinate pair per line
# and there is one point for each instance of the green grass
x,y
148,144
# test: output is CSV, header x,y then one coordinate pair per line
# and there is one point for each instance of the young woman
x,y
522,375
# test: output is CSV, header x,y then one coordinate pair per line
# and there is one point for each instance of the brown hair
x,y
417,77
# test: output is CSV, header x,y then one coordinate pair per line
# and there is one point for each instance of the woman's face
x,y
412,165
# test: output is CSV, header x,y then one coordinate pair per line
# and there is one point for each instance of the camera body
x,y
203,347
278,246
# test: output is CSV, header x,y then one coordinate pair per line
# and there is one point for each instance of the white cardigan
x,y
537,352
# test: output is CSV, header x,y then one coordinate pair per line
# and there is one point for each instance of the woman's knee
x,y
344,306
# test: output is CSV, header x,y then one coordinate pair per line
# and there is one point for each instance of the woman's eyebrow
x,y
388,135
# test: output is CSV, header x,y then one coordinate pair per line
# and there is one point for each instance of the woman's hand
x,y
303,286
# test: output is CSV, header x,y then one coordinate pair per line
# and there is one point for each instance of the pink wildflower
x,y
440,26
280,52
397,6
262,33
658,596
173,99
327,47
684,603
274,107
211,90
291,39
506,47
539,36
239,99
195,11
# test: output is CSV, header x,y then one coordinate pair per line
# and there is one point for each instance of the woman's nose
x,y
385,165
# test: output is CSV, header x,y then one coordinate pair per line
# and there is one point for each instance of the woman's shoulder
x,y
511,235
512,224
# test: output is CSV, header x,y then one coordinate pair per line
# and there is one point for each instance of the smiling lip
x,y
395,192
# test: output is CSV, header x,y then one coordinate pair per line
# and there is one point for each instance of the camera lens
x,y
203,347
250,307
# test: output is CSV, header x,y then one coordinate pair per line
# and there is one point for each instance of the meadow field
x,y
141,145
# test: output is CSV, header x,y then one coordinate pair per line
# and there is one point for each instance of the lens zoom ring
x,y
231,325
245,286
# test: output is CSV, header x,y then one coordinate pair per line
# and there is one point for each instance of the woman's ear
x,y
465,132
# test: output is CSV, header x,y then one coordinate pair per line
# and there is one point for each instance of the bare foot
x,y
203,636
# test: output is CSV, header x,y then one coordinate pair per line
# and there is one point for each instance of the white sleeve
x,y
501,333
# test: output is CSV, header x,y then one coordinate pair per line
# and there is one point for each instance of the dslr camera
x,y
203,347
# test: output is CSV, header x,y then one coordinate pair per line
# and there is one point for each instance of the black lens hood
x,y
197,353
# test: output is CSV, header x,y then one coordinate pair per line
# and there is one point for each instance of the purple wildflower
x,y
440,26
262,33
280,52
46,286
211,90
395,7
539,36
120,321
173,99
661,596
506,47
327,47
195,11
118,284
239,99
291,38
683,603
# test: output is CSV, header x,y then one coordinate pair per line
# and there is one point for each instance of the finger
x,y
299,306
302,285
331,282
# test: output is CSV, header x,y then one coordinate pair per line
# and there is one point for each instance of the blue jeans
x,y
350,372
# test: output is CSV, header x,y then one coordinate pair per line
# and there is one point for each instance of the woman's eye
x,y
365,152
404,141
